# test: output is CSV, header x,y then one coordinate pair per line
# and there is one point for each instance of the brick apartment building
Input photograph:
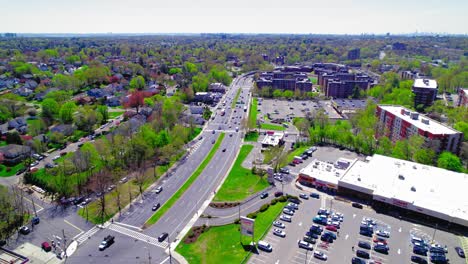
x,y
342,84
425,92
398,122
284,81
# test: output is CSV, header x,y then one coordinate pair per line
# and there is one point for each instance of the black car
x,y
363,244
418,259
367,233
357,205
357,261
362,254
292,199
156,207
21,171
284,170
163,237
264,195
224,150
315,195
420,251
460,252
24,230
381,248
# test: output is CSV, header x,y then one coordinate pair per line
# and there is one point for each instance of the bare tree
x,y
99,183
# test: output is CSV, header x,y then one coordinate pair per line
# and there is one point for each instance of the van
x,y
265,246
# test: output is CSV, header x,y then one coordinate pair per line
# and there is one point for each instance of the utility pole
x,y
433,235
170,256
64,243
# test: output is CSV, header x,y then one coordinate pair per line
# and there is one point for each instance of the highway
x,y
132,242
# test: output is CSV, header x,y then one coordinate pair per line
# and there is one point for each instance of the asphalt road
x,y
180,214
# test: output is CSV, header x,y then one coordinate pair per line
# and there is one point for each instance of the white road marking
x,y
300,224
166,259
399,229
354,215
79,229
277,262
346,237
399,251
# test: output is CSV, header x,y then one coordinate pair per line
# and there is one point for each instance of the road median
x,y
169,203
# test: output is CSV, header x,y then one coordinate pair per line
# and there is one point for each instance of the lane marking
x,y
136,227
399,251
399,229
79,229
300,224
354,215
166,259
346,237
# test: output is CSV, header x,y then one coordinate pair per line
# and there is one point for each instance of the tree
x,y
99,183
277,93
402,150
137,82
424,156
13,138
206,113
66,112
449,161
50,108
136,100
103,110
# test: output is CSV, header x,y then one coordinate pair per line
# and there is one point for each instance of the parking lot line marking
x,y
166,259
302,253
399,251
277,262
399,229
79,229
297,262
259,260
346,237
300,224
354,215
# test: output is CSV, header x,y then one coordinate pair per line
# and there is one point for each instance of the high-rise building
x,y
398,123
425,92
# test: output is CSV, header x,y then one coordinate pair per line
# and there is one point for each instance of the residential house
x,y
196,110
14,154
64,129
19,124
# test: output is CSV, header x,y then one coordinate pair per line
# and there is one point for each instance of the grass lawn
x,y
251,136
3,143
220,244
313,80
253,113
240,183
272,127
113,115
169,203
13,170
296,152
233,104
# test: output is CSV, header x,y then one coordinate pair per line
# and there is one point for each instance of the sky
x,y
235,16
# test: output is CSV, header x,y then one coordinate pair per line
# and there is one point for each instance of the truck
x,y
106,242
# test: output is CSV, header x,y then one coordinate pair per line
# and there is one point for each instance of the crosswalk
x,y
137,235
87,235
195,147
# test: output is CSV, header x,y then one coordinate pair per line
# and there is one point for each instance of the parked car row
x,y
436,252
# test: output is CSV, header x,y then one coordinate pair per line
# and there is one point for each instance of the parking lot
x,y
283,109
344,248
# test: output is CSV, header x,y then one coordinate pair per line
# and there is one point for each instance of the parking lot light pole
x,y
169,244
433,235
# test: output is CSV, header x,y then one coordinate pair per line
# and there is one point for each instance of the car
x,y
86,201
24,230
332,235
362,254
286,218
438,259
212,141
331,228
315,195
63,153
46,246
438,248
123,180
326,238
312,234
305,245
380,240
320,255
263,195
292,164
214,131
420,250
367,233
159,189
279,232
316,229
383,233
364,244
264,246
78,200
288,211
304,196
460,252
285,170
55,158
35,163
278,194
49,165
106,242
110,188
35,220
163,237
357,205
323,211
418,259
382,248
279,178
278,224
156,207
21,171
294,200
293,205
356,260
224,150
309,239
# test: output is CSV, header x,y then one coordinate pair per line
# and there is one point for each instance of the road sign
x,y
247,226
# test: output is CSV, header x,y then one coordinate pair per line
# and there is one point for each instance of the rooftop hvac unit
x,y
401,177
413,189
414,116
359,179
425,121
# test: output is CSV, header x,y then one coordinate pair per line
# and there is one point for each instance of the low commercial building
x,y
393,183
398,122
324,175
273,139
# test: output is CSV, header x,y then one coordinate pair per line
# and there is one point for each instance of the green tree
x,y
277,93
103,110
424,156
288,94
138,82
50,108
462,126
66,112
13,138
449,161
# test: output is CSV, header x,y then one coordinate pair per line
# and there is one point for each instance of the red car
x,y
380,240
46,246
331,228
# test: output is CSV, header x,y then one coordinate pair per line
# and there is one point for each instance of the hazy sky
x,y
248,16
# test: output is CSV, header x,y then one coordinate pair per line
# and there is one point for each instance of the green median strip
x,y
253,113
169,203
234,102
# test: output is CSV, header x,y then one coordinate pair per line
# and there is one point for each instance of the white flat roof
x,y
432,126
326,172
425,83
273,139
433,189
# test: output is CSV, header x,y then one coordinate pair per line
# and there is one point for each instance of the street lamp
x,y
149,255
169,243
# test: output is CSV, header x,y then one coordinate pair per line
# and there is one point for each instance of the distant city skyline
x,y
240,16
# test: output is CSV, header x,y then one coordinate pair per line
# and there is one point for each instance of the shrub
x,y
252,215
274,201
8,169
191,234
237,221
282,199
264,207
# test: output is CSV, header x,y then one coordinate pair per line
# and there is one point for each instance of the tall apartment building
x,y
285,81
425,92
398,122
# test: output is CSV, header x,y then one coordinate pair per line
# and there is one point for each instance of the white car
x,y
279,232
304,196
278,224
305,245
159,189
56,158
293,205
264,246
382,233
320,255
286,218
288,211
